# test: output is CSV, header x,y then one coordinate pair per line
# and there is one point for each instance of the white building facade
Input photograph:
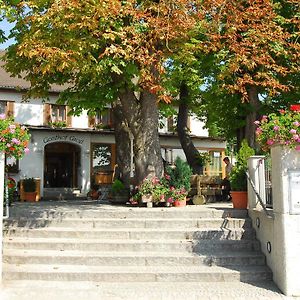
x,y
74,152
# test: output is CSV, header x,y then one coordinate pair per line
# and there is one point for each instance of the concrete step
x,y
172,290
130,245
93,258
128,223
63,194
136,273
79,209
134,233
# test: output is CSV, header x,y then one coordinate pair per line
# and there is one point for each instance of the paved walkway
x,y
111,291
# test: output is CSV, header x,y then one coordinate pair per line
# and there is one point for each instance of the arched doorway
x,y
61,165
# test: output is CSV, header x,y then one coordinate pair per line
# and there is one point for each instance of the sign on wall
x,y
294,191
63,138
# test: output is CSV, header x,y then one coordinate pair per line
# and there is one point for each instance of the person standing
x,y
226,187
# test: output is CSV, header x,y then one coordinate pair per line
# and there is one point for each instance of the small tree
x,y
180,175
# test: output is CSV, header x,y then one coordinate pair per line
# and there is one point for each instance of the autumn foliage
x,y
111,38
256,45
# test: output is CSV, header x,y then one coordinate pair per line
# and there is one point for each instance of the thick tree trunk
x,y
186,142
252,116
122,140
141,115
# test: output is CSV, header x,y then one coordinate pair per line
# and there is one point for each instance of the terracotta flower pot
x,y
239,199
30,196
179,203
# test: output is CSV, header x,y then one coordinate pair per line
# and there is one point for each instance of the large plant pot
x,y
121,197
30,196
239,199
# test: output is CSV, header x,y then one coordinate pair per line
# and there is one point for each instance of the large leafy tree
x,y
104,51
256,51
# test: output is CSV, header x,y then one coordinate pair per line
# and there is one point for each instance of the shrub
x,y
180,175
238,177
117,186
29,185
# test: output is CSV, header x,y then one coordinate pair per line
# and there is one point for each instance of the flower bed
x,y
173,186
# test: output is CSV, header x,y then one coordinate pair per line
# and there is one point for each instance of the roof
x,y
9,82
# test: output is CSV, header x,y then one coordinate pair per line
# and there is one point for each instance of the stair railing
x,y
267,212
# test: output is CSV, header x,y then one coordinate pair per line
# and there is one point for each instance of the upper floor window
x,y
6,108
102,119
171,124
3,107
56,114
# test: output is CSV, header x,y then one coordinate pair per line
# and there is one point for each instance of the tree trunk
x,y
141,114
122,141
240,136
252,116
186,142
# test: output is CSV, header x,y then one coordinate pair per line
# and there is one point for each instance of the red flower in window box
x,y
295,107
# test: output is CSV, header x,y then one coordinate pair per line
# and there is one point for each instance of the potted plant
x,y
29,188
238,177
94,192
179,174
58,124
14,138
177,196
171,188
179,181
151,190
282,128
119,193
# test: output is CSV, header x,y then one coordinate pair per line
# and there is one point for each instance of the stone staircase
x,y
93,243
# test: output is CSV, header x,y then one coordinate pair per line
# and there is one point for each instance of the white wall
x,y
197,127
281,230
81,121
31,113
32,165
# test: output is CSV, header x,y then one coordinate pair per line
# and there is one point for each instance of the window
x,y
214,167
54,113
171,124
11,165
103,117
58,113
7,108
101,120
102,163
102,157
3,107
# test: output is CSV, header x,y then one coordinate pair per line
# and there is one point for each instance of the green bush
x,y
180,175
117,186
29,185
238,177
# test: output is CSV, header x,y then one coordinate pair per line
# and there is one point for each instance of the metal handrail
x,y
267,212
6,215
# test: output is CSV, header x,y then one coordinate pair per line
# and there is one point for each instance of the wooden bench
x,y
208,186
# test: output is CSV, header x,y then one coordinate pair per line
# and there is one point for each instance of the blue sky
x,y
4,25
